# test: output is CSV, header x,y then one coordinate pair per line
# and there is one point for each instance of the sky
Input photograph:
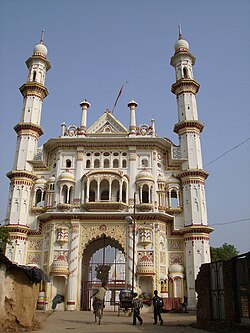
x,y
94,46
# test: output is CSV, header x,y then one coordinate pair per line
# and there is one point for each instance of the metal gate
x,y
217,290
103,252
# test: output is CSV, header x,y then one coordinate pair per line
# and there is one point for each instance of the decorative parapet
x,y
105,206
144,207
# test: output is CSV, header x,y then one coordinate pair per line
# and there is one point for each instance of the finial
x,y
42,37
180,34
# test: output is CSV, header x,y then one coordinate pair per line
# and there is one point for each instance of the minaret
x,y
193,176
28,132
132,106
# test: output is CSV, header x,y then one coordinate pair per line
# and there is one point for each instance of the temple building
x,y
106,199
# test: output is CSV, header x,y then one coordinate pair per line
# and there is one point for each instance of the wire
x,y
231,222
226,152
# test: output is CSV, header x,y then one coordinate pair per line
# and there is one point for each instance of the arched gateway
x,y
106,255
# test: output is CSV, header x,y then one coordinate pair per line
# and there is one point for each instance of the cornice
x,y
188,125
193,174
22,126
185,86
21,174
34,88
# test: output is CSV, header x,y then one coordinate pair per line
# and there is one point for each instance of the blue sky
x,y
96,45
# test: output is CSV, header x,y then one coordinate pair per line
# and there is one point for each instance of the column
x,y
72,286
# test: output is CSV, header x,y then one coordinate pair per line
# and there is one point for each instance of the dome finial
x,y
42,37
180,34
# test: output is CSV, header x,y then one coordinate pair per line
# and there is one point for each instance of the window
x,y
185,72
124,163
97,164
115,163
174,199
145,194
106,163
87,164
68,163
34,76
144,162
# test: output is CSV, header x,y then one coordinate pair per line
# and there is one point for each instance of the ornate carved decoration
x,y
91,232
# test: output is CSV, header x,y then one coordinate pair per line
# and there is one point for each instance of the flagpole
x,y
118,96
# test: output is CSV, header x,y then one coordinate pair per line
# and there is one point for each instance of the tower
x,y
28,131
192,176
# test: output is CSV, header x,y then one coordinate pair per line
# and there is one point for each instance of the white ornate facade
x,y
71,197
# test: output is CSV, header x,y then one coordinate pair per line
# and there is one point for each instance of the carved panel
x,y
91,232
34,258
176,258
35,244
175,245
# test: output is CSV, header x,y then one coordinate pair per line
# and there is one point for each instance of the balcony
x,y
103,206
144,207
174,211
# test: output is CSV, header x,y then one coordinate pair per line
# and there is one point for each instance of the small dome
x,y
172,179
51,179
66,176
160,179
144,175
176,269
181,45
40,48
41,181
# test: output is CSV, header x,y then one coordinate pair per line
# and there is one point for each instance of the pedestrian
x,y
99,296
158,305
137,305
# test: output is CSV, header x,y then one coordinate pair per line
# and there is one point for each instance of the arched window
x,y
38,202
87,164
97,164
185,72
124,163
106,163
68,163
145,194
104,189
34,76
65,194
115,163
124,192
174,203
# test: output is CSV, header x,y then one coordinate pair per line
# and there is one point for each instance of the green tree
x,y
4,238
225,252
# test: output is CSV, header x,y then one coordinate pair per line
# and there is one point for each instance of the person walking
x,y
158,305
137,305
99,296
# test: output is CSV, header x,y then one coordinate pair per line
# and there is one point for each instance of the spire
x,y
42,37
180,34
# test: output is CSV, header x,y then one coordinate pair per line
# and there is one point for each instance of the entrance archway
x,y
109,252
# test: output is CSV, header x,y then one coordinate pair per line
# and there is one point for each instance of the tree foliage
x,y
225,252
4,237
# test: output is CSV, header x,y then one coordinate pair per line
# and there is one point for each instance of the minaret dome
x,y
40,49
